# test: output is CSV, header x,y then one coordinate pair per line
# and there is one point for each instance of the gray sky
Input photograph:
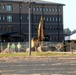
x,y
69,13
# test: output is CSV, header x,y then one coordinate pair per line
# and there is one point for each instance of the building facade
x,y
14,19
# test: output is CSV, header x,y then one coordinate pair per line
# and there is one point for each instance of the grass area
x,y
39,54
13,54
53,54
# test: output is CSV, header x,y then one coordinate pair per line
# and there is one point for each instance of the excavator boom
x,y
41,29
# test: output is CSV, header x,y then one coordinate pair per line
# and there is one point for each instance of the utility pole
x,y
29,3
29,30
29,13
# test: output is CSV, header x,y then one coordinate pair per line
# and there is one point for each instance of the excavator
x,y
41,35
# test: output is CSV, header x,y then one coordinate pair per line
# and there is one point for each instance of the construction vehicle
x,y
40,40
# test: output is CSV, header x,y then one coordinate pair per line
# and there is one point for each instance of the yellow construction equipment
x,y
41,29
35,41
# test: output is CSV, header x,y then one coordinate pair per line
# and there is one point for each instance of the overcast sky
x,y
69,13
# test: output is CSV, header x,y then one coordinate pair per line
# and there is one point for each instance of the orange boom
x,y
35,41
41,30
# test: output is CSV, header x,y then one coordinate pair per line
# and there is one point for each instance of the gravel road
x,y
38,65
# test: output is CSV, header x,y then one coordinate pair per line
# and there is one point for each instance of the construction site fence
x,y
48,46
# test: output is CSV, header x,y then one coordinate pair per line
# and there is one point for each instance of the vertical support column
x,y
20,18
29,31
58,26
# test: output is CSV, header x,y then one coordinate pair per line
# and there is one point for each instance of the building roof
x,y
10,34
71,37
36,1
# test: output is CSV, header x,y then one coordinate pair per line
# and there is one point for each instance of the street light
x,y
29,5
29,30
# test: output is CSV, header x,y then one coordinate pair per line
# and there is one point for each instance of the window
x,y
50,9
40,9
9,7
4,27
37,9
50,38
10,29
0,6
21,17
56,9
53,19
0,17
50,18
51,28
59,9
34,9
60,28
47,9
3,7
54,28
35,28
9,18
20,6
21,27
37,18
34,17
3,17
48,28
0,28
44,18
47,19
27,17
60,38
44,9
56,37
59,19
45,28
56,19
53,9
57,28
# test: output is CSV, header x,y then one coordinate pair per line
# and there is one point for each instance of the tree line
x,y
67,31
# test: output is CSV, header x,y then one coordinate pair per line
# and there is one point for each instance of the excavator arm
x,y
41,29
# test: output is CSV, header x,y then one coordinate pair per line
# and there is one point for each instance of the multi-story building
x,y
14,18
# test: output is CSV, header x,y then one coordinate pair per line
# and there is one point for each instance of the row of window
x,y
9,18
4,28
47,9
53,28
48,18
50,28
10,28
56,38
9,7
37,18
44,9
